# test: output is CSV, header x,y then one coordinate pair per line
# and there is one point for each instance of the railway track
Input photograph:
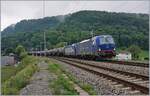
x,y
110,69
135,82
140,64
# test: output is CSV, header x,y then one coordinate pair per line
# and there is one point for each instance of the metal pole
x,y
44,31
44,42
40,48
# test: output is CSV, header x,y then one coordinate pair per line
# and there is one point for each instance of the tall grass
x,y
26,69
58,69
62,85
87,87
7,72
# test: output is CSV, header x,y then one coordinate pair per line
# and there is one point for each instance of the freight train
x,y
102,46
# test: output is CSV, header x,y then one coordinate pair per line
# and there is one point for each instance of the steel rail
x,y
127,63
134,86
110,69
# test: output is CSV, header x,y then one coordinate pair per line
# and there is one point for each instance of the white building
x,y
124,56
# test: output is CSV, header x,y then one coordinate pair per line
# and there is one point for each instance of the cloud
x,y
14,11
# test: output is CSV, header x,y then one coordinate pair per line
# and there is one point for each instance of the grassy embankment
x,y
144,54
15,78
62,85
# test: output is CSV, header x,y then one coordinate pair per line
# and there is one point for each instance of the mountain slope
x,y
126,28
34,25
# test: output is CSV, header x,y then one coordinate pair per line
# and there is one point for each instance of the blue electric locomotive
x,y
98,46
104,46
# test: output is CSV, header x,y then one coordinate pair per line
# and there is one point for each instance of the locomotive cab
x,y
105,46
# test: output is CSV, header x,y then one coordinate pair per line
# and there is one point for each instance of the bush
x,y
135,51
20,51
23,55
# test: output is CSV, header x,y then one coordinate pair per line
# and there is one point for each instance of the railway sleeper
x,y
126,83
119,85
135,92
114,83
135,80
131,78
126,88
142,82
118,72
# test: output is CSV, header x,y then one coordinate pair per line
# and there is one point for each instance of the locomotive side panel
x,y
85,48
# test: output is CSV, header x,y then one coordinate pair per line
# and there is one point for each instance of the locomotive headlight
x,y
99,49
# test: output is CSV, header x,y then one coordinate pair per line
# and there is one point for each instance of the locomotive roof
x,y
95,37
84,40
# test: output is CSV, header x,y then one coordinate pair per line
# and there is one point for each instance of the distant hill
x,y
34,25
126,28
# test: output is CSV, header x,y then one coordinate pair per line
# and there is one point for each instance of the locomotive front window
x,y
106,40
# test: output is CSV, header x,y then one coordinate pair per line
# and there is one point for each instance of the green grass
x,y
144,54
61,81
16,82
62,85
7,72
55,68
87,87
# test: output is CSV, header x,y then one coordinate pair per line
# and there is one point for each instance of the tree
x,y
20,51
135,51
9,50
61,44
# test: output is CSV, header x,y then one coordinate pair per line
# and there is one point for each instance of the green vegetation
x,y
62,82
87,87
20,51
135,51
24,71
7,72
144,55
62,85
126,28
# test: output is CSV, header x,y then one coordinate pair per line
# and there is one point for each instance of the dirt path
x,y
39,83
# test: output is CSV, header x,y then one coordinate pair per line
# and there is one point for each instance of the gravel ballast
x,y
101,85
127,68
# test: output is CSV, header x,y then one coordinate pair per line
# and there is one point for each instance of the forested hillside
x,y
126,28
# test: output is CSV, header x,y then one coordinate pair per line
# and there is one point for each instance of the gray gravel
x,y
101,85
127,68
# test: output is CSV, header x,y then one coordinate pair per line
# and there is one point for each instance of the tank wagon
x,y
102,46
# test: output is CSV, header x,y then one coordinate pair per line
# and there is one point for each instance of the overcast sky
x,y
14,11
